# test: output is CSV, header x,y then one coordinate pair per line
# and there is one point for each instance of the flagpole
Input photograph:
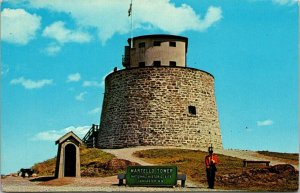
x,y
131,43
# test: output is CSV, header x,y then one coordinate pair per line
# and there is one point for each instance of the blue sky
x,y
55,55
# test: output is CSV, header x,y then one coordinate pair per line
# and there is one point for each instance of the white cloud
x,y
63,35
53,135
91,84
184,16
111,17
30,84
80,97
74,77
267,122
95,110
52,49
285,2
213,15
19,26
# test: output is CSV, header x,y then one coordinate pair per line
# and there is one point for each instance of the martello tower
x,y
157,100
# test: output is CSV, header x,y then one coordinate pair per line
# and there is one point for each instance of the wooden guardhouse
x,y
68,156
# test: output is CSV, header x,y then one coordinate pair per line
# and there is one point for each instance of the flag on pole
x,y
129,10
130,14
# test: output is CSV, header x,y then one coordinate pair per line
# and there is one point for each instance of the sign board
x,y
151,175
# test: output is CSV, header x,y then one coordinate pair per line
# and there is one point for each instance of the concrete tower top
x,y
156,50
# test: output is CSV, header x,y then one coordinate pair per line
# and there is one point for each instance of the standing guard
x,y
210,161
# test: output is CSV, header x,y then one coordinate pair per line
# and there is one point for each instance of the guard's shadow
x,y
42,179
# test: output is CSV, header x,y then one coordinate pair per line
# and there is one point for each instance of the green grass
x,y
93,155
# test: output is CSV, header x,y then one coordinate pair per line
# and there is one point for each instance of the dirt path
x,y
127,153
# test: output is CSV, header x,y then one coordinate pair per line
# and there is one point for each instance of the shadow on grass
x,y
43,179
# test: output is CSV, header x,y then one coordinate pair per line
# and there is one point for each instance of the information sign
x,y
151,175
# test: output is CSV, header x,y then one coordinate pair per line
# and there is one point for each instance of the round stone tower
x,y
157,100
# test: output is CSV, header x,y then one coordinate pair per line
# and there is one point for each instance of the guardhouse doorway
x,y
70,161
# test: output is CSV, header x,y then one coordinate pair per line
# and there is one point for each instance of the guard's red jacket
x,y
211,160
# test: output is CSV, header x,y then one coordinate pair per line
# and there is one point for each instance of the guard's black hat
x,y
210,149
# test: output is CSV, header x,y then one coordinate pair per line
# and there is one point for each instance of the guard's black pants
x,y
210,174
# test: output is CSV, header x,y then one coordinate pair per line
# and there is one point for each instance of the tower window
x,y
192,110
172,44
156,43
142,44
173,63
156,63
141,64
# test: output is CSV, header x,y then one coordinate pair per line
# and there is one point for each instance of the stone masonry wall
x,y
149,106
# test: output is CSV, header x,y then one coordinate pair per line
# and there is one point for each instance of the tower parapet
x,y
156,50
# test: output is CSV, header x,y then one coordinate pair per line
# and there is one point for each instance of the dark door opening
x,y
70,160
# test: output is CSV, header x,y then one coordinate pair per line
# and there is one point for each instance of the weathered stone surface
x,y
149,106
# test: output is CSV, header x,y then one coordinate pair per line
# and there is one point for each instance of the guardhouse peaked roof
x,y
68,135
